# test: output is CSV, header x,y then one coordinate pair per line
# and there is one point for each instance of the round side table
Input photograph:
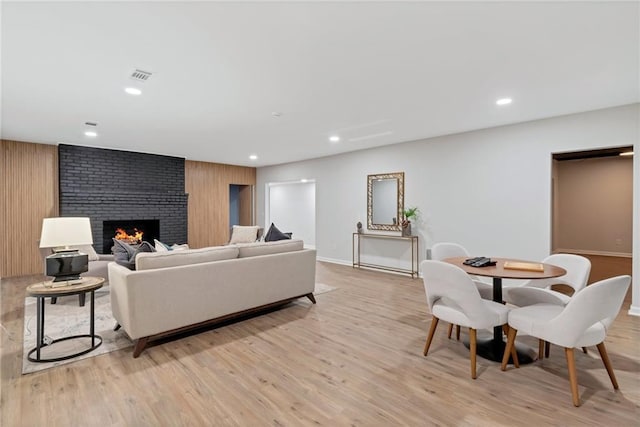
x,y
42,290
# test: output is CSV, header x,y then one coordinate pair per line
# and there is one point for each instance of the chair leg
x,y
510,349
540,349
607,364
547,347
458,332
472,349
432,330
573,378
584,350
514,354
450,330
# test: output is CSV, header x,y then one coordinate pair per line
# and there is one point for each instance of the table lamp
x,y
60,234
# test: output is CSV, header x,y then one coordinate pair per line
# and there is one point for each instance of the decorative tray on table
x,y
528,266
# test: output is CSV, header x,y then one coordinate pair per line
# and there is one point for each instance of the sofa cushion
x,y
125,254
267,248
274,234
174,258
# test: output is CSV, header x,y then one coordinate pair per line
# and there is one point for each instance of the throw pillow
x,y
273,234
244,234
161,247
125,254
177,247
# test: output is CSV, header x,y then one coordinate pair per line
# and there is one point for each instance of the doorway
x,y
291,206
592,208
241,211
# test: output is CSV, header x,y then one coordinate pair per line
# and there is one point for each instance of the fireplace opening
x,y
130,231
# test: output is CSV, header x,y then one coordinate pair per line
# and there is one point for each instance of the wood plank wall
x,y
246,203
208,187
29,193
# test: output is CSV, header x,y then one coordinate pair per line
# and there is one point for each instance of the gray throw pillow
x,y
274,234
125,254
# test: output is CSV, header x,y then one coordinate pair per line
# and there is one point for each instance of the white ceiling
x,y
375,73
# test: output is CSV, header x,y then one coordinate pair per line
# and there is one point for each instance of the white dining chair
x,y
453,297
539,291
443,250
583,322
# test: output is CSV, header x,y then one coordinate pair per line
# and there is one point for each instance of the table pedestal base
x,y
494,350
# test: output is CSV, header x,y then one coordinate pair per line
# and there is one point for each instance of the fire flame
x,y
132,238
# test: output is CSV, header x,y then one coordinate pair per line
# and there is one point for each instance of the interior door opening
x,y
592,208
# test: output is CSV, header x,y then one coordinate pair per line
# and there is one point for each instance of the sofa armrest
x,y
119,293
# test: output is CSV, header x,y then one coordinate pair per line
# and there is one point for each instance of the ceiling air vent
x,y
141,76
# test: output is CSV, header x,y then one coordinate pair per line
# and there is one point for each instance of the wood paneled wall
x,y
208,187
28,193
246,203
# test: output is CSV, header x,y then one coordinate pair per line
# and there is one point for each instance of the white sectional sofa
x,y
170,292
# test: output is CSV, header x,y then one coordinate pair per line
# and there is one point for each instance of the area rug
x,y
321,288
66,318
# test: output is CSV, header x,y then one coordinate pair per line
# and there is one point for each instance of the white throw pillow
x,y
244,234
177,247
160,247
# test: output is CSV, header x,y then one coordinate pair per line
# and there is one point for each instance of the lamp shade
x,y
65,231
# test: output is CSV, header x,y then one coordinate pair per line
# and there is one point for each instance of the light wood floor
x,y
355,358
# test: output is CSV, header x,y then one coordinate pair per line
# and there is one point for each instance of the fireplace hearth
x,y
144,229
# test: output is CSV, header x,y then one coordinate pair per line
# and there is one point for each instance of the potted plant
x,y
411,212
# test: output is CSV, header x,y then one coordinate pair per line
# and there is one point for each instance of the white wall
x,y
489,190
292,208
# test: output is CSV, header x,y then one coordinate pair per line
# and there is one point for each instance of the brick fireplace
x,y
118,186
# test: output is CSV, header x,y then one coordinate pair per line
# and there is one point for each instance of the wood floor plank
x,y
354,358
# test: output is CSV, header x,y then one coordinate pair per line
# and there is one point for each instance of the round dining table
x,y
493,348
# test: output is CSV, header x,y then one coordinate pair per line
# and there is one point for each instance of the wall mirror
x,y
385,201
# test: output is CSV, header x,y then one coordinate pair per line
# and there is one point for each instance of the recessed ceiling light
x,y
91,133
627,153
304,180
503,101
253,157
133,91
334,138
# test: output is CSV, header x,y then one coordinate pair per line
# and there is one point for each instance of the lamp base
x,y
66,266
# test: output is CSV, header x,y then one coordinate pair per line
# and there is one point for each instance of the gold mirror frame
x,y
399,176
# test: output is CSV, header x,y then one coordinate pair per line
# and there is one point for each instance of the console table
x,y
410,240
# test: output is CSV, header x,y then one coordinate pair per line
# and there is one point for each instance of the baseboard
x,y
349,264
588,252
634,311
334,261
